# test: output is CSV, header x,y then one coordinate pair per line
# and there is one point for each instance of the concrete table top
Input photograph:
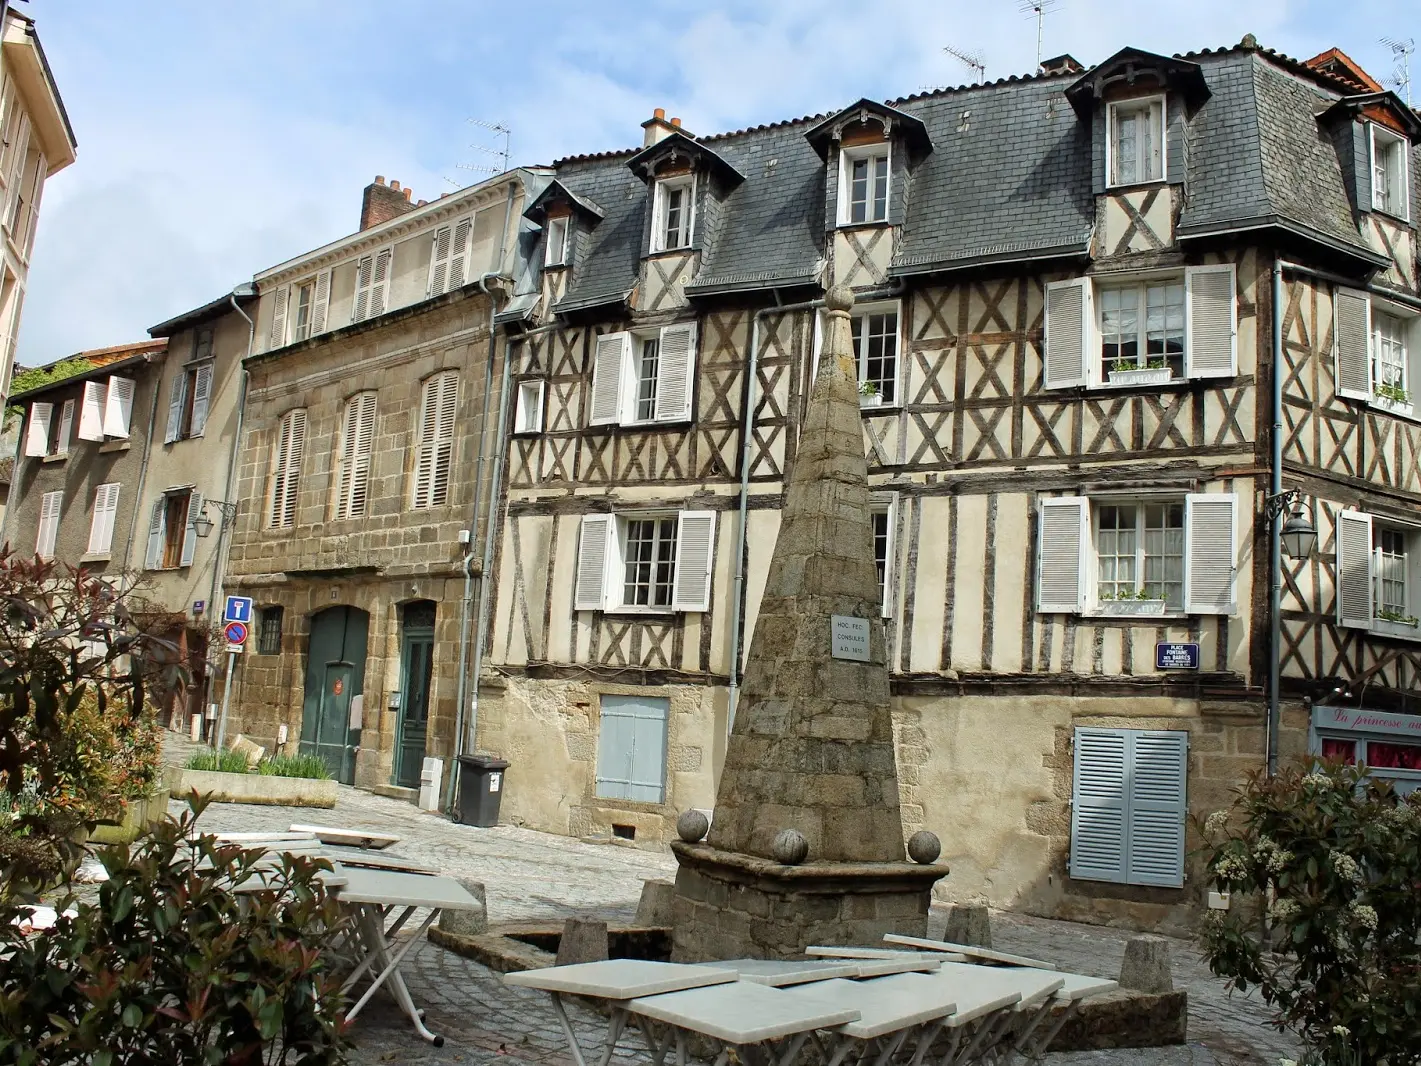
x,y
354,837
885,967
778,973
881,954
980,990
400,889
885,1004
744,1013
620,979
1079,986
378,860
965,949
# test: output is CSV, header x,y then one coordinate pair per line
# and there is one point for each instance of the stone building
x,y
1067,335
358,531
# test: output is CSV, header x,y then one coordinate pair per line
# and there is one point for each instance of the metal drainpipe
x,y
746,425
1275,486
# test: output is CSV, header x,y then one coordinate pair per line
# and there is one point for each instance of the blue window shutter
x,y
1156,805
631,748
1098,805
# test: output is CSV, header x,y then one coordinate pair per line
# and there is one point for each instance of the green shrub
x,y
171,965
1324,862
311,766
226,762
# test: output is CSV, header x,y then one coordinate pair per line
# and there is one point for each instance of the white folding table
x,y
1033,1037
891,1011
986,954
991,1003
359,838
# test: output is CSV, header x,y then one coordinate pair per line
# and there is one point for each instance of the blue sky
x,y
213,146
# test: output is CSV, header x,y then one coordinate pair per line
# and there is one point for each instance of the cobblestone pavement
x,y
530,875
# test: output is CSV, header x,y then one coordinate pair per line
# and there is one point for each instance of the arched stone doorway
x,y
416,679
335,683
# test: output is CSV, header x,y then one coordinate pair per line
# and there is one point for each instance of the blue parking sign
x,y
238,609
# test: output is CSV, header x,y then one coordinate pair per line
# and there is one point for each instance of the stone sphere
x,y
692,826
839,298
790,847
924,847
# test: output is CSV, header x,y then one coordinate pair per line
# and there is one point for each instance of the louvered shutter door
x,y
1155,805
118,407
594,542
194,508
695,556
346,477
1209,538
361,304
439,261
1354,569
1098,805
676,373
91,412
322,302
176,401
292,482
1354,333
647,717
278,473
154,558
614,751
105,511
49,508
1062,541
66,427
459,253
201,397
37,433
607,366
364,450
380,282
444,439
1068,313
424,449
1210,348
279,301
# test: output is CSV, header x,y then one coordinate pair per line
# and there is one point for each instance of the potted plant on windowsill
x,y
1142,604
1392,398
1129,372
1396,624
869,396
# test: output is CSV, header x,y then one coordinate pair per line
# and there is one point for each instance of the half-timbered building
x,y
1069,336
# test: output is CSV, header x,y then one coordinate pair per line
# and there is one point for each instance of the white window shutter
x,y
1061,554
105,511
1098,805
364,449
459,254
49,508
888,575
1210,347
346,475
1064,352
194,508
66,427
322,302
91,412
37,433
177,400
360,306
201,397
1354,569
1378,173
676,373
612,352
1354,336
695,559
439,261
444,438
593,556
154,558
380,281
1155,805
1209,539
286,470
279,302
118,406
424,447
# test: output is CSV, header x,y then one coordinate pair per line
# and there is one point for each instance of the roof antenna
x,y
974,59
1037,9
503,154
1401,73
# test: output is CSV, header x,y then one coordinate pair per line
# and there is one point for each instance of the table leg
x,y
927,1037
891,1044
374,935
565,1022
1037,1049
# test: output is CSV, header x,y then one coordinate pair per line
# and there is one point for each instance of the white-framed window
x,y
1377,346
1134,143
864,174
631,748
528,407
305,304
1378,575
875,333
649,562
105,512
1128,803
555,242
172,530
1391,376
50,506
1391,187
357,445
673,215
106,408
302,307
644,377
189,401
1137,557
449,257
44,435
1141,331
434,449
883,514
285,492
372,284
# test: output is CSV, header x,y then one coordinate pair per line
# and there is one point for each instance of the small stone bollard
x,y
970,924
1146,965
467,923
582,940
658,898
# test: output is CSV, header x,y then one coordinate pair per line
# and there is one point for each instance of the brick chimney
x,y
656,128
382,202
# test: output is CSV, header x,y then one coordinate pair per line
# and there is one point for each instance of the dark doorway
x,y
417,674
335,680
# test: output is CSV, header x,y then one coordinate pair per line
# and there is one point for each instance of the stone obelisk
x,y
811,749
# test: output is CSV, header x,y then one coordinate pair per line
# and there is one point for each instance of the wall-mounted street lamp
x,y
1298,538
202,525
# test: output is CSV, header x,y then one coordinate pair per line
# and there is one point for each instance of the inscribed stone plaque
x,y
848,638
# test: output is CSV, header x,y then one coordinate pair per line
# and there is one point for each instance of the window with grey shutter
x,y
594,547
1353,348
1354,569
631,748
676,372
1063,537
608,370
1209,538
194,510
695,560
1068,317
153,558
37,432
1209,347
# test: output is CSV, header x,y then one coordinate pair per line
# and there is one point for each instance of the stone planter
x,y
138,815
1132,608
876,400
252,788
1145,376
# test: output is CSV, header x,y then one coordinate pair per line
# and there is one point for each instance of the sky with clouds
x,y
213,145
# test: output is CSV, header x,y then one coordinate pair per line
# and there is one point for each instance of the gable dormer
x,y
565,217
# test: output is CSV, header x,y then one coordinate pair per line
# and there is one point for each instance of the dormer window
x,y
1389,172
863,184
1134,150
673,213
555,253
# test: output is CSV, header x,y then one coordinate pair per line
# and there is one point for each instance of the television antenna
x,y
1401,73
503,154
973,59
1037,10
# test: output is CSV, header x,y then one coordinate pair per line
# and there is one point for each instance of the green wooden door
x,y
335,678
